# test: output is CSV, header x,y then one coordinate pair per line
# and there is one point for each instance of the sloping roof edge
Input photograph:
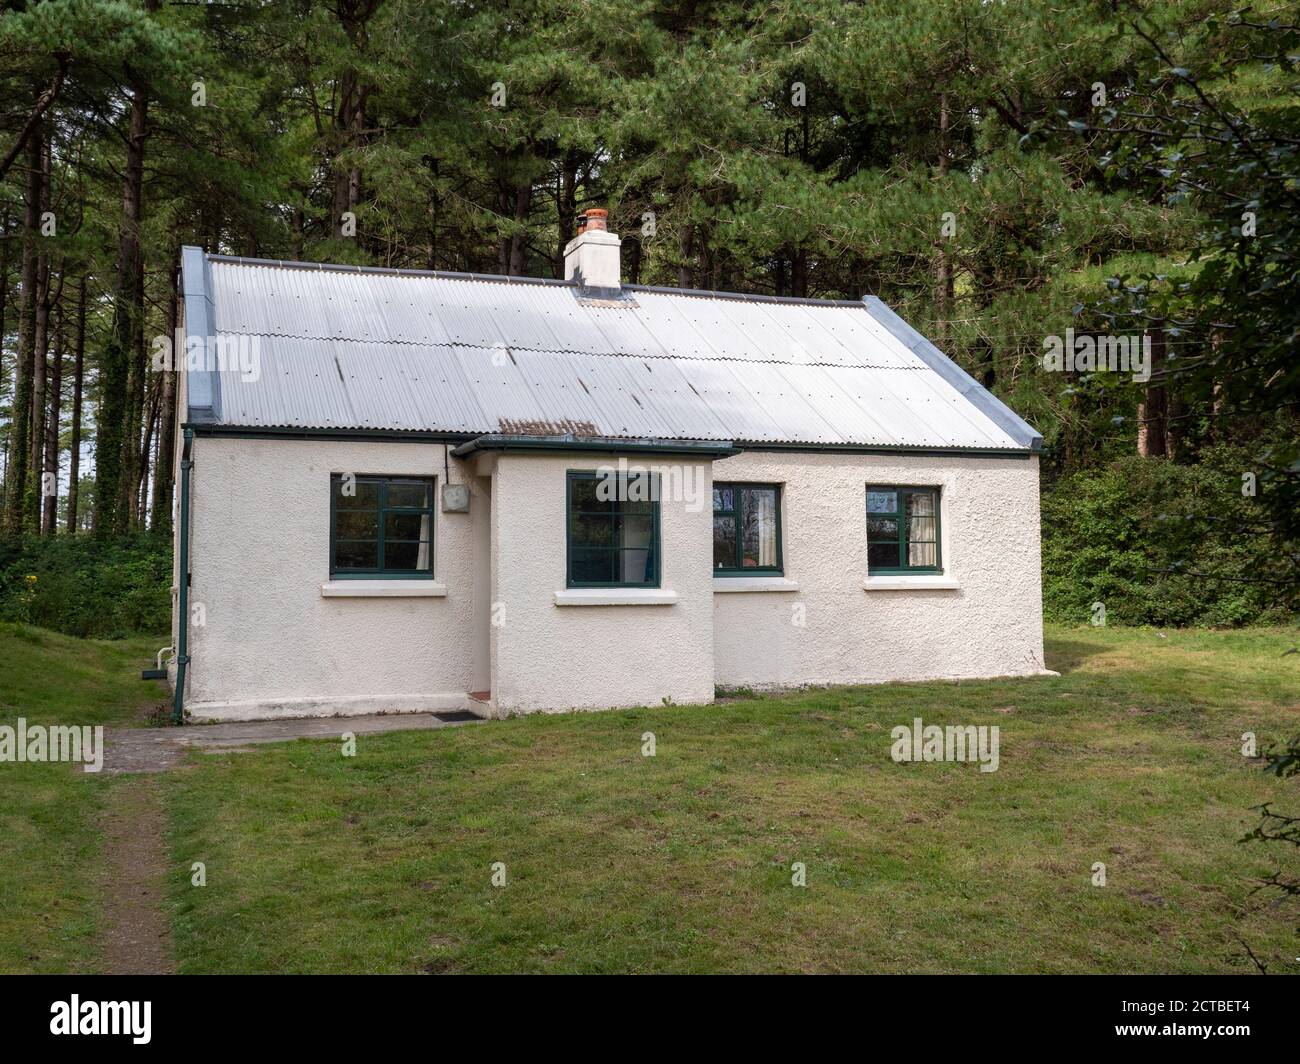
x,y
989,404
203,384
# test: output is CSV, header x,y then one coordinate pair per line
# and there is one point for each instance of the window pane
x,y
636,566
722,498
921,504
882,528
406,556
356,524
882,556
582,494
592,566
882,502
641,490
408,493
920,529
724,542
636,530
591,530
636,506
356,494
758,506
922,554
405,526
351,554
612,529
636,491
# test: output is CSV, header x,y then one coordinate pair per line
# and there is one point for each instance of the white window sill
x,y
615,596
910,583
383,589
727,584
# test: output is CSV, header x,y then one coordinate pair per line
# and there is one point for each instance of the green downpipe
x,y
183,575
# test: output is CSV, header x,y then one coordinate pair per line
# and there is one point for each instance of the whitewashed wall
x,y
991,624
557,657
272,644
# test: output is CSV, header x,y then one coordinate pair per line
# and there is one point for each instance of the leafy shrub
x,y
88,587
1163,544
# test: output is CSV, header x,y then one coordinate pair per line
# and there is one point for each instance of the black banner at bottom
x,y
150,1013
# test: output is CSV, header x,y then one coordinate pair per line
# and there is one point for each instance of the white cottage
x,y
405,491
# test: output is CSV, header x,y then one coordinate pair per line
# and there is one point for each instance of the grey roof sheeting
x,y
347,348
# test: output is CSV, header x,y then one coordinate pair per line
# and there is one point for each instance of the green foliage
x,y
83,586
1162,544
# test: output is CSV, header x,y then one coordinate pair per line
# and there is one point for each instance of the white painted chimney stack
x,y
593,258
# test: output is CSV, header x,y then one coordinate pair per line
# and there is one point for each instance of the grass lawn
x,y
49,873
681,862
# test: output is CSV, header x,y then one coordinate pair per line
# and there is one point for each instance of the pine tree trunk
x,y
685,248
566,207
50,510
112,427
40,374
519,242
163,473
40,362
78,375
140,499
4,288
942,268
799,274
133,457
1153,411
4,308
20,427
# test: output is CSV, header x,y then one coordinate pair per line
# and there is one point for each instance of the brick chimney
x,y
592,258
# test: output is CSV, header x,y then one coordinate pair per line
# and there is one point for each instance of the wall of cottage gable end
x,y
270,643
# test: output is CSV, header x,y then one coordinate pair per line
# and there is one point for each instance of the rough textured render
x,y
990,625
270,643
553,657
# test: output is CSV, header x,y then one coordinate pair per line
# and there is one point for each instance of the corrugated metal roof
x,y
341,348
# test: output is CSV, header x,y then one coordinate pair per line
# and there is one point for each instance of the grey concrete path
x,y
160,749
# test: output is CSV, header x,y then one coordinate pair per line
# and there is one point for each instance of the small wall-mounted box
x,y
455,498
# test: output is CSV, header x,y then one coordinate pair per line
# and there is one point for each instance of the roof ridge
x,y
500,278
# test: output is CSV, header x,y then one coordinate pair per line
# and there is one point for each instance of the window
x,y
613,529
903,530
746,529
381,526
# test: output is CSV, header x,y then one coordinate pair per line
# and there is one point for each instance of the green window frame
x,y
738,508
903,529
384,529
611,541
